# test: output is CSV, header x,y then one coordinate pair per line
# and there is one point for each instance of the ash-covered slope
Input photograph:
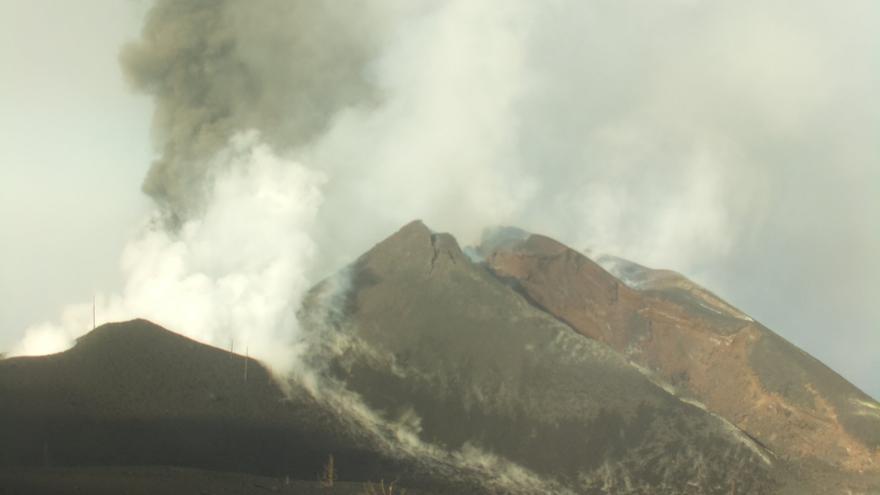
x,y
136,394
469,371
525,374
703,347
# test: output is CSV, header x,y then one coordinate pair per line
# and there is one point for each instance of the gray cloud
x,y
219,67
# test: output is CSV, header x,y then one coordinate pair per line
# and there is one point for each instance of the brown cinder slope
x,y
708,350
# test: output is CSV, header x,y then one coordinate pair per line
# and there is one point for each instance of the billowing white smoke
x,y
232,276
665,132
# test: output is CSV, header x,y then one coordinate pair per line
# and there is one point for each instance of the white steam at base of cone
x,y
234,276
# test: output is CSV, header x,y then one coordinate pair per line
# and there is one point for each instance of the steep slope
x,y
703,347
133,393
467,369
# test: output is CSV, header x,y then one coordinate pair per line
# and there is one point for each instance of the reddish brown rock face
x,y
706,349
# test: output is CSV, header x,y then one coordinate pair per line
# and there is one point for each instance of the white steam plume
x,y
681,134
232,276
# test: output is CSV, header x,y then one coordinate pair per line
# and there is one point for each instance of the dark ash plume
x,y
218,67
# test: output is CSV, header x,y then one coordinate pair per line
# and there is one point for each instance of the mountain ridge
x,y
517,366
663,323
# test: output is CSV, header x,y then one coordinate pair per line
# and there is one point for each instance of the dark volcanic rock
x,y
136,394
463,364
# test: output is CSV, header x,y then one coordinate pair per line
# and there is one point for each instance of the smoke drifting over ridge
x,y
718,139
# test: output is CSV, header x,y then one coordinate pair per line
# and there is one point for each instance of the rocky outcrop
x,y
706,350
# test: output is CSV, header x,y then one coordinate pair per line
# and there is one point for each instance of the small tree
x,y
328,476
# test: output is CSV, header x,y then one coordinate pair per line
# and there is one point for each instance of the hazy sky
x,y
74,146
733,141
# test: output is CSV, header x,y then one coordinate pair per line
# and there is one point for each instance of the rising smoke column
x,y
218,68
232,276
225,257
465,114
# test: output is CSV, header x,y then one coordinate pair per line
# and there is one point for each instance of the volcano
x,y
517,366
